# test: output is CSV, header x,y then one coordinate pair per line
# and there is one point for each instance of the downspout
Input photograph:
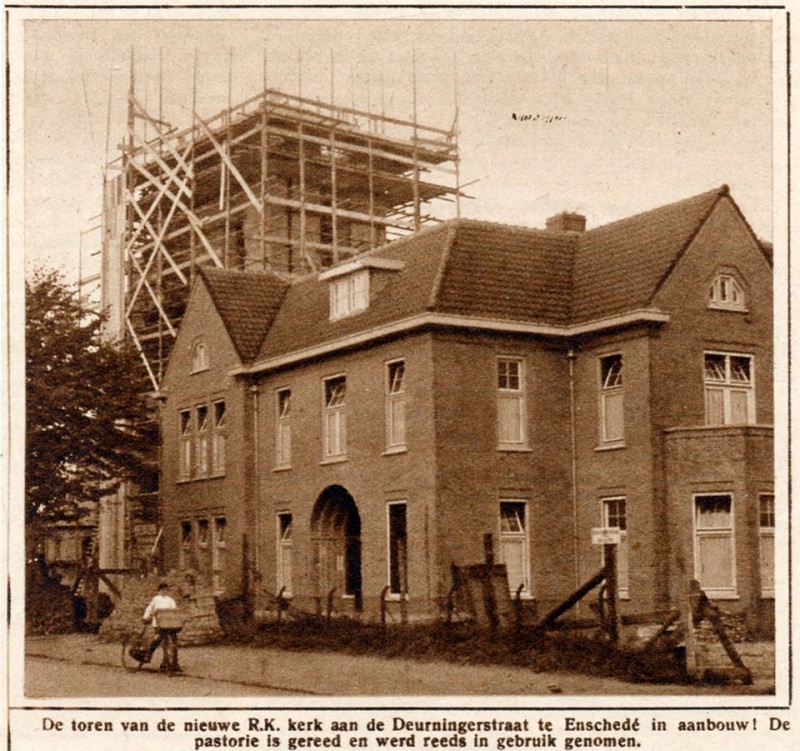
x,y
257,492
574,450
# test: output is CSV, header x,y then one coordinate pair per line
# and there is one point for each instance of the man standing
x,y
167,627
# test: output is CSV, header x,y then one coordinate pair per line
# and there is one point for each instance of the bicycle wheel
x,y
130,641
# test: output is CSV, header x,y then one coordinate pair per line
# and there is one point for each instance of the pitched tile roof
x,y
247,303
509,273
472,268
619,266
304,320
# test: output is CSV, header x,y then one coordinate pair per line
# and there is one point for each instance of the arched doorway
x,y
336,543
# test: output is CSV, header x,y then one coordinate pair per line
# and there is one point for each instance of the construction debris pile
x,y
194,597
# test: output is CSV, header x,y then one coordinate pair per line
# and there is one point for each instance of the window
x,y
218,555
726,293
396,405
335,438
767,543
614,515
218,438
398,548
202,440
730,397
612,419
199,357
283,428
185,459
185,552
514,545
510,403
349,294
714,547
285,553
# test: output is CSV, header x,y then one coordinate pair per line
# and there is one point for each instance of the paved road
x,y
45,676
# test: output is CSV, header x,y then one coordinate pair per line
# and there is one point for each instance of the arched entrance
x,y
336,543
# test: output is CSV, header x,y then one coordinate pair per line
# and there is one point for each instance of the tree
x,y
88,424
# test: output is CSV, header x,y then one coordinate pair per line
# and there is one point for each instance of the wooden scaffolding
x,y
277,183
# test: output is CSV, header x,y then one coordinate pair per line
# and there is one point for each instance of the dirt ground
x,y
51,662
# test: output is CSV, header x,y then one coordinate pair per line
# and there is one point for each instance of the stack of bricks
x,y
194,597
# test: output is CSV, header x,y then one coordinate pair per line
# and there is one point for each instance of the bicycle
x,y
136,652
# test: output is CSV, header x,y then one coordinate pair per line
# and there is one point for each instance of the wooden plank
x,y
572,600
229,164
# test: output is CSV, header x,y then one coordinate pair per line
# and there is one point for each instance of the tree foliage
x,y
88,425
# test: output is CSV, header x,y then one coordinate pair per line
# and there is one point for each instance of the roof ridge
x,y
723,190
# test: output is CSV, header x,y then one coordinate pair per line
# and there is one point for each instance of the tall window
x,y
199,357
514,545
614,515
218,554
396,405
612,421
185,460
285,553
730,398
202,440
726,293
349,294
283,427
714,545
335,438
219,436
203,540
510,402
767,543
398,548
185,552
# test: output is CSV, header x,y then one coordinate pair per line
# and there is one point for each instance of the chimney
x,y
567,222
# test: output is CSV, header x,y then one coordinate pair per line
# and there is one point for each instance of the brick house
x,y
366,426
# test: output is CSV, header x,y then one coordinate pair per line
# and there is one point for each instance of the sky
x,y
631,114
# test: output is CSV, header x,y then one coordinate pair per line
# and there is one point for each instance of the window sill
x,y
727,308
767,595
611,446
334,460
722,596
396,597
199,370
201,478
395,450
282,469
511,448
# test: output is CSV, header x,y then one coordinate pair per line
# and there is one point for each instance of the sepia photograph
x,y
398,356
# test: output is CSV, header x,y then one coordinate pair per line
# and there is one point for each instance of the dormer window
x,y
726,292
349,294
349,283
199,357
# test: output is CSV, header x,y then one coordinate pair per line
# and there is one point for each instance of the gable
x,y
201,323
724,244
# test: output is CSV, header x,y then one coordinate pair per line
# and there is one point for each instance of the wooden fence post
x,y
688,608
612,591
